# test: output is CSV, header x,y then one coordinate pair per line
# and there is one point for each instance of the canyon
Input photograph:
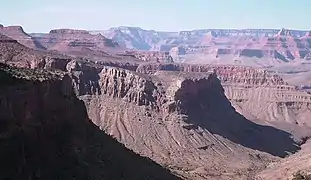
x,y
193,120
250,47
46,133
234,46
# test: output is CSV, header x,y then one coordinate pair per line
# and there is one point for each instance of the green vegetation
x,y
10,75
301,176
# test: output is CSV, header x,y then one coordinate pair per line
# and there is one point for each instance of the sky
x,y
161,15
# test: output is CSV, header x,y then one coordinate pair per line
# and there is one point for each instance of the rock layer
x,y
182,121
13,53
273,45
17,33
255,93
149,56
78,42
46,134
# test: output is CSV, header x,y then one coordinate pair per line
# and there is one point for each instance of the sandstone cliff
x,y
78,42
181,120
255,93
17,33
226,73
271,45
46,134
13,53
200,121
149,56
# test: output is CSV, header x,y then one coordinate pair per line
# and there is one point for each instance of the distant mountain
x,y
135,38
140,39
278,45
266,47
18,33
77,42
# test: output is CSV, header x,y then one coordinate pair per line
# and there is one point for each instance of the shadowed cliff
x,y
208,107
45,134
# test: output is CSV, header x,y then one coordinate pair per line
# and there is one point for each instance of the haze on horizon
x,y
169,15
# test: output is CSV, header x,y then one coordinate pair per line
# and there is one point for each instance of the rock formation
x,y
255,93
273,45
182,120
13,53
284,32
199,121
78,42
286,168
133,37
46,134
149,56
17,33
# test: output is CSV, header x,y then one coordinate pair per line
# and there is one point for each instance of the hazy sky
x,y
172,15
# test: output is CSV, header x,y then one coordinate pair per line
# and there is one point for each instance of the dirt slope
x,y
181,120
289,166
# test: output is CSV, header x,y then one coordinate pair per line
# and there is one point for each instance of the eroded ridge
x,y
182,120
45,134
226,73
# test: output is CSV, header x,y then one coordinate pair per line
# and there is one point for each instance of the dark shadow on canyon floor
x,y
211,110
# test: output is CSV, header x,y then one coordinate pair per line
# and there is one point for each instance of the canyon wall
x,y
78,42
46,133
275,46
17,33
255,93
182,120
14,53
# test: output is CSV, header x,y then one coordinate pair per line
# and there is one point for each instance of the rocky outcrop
x,y
255,93
226,73
133,37
178,51
149,56
176,117
222,51
78,42
13,53
68,31
284,32
272,45
46,134
6,39
287,167
128,86
251,53
308,34
17,33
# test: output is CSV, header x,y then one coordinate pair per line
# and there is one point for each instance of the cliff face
x,y
46,134
276,104
14,53
140,39
255,93
182,121
258,47
150,56
78,42
226,73
17,33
